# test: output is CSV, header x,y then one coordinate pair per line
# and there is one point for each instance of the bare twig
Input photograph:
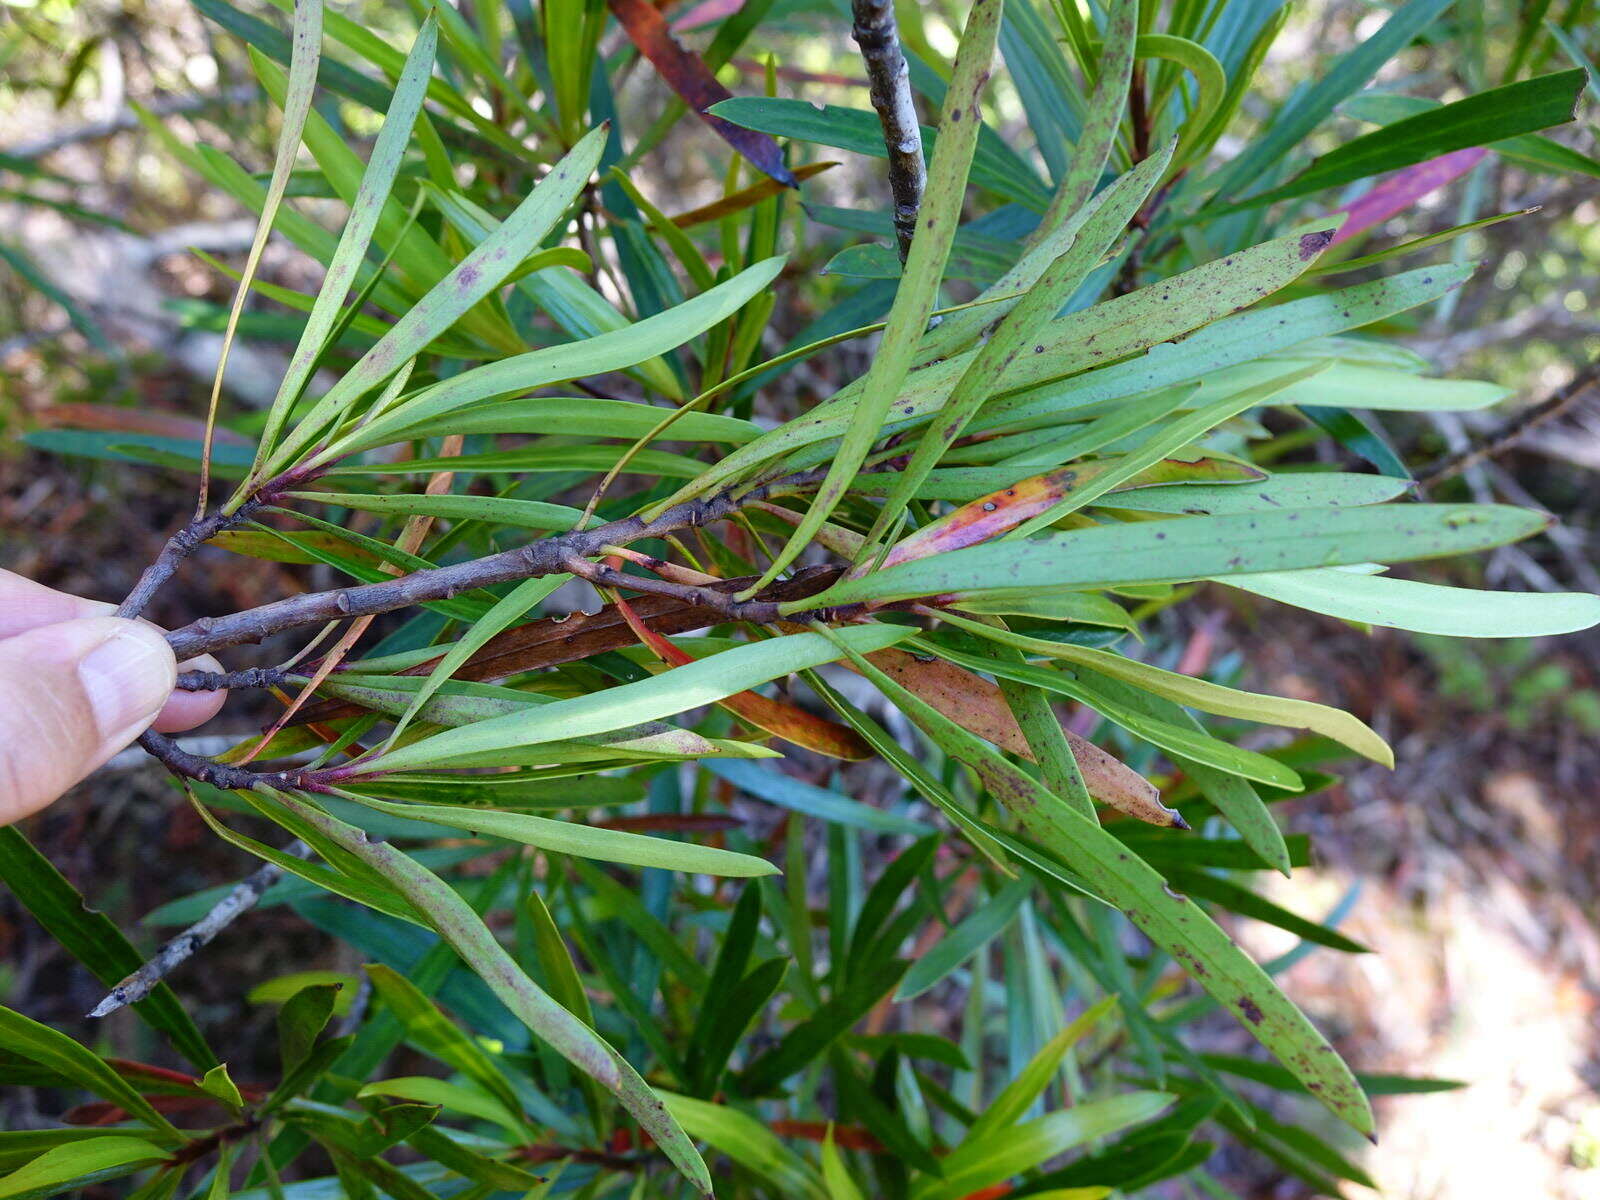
x,y
180,949
234,779
548,556
889,81
1512,432
218,681
179,547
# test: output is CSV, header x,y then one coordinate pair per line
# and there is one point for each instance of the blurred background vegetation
x,y
1476,862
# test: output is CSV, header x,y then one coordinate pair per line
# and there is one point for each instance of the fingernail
x,y
127,678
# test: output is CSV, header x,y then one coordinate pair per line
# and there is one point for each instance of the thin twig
x,y
218,681
1513,431
548,556
235,779
180,949
889,82
179,547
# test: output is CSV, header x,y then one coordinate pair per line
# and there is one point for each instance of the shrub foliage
x,y
520,371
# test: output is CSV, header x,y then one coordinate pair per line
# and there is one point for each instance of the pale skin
x,y
76,686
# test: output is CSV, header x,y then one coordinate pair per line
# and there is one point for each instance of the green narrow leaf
x,y
1425,607
56,1051
749,1143
1195,548
1102,124
1313,104
914,301
305,56
79,1164
678,690
475,277
93,939
455,921
1171,921
376,184
1199,693
611,351
584,841
1491,116
989,366
986,922
432,1032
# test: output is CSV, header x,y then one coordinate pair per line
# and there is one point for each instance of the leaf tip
x,y
1313,244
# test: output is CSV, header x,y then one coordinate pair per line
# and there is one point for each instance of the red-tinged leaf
x,y
786,721
992,515
689,76
979,707
1403,189
707,13
112,419
103,1112
746,197
672,823
849,1137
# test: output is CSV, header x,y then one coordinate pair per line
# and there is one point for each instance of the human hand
x,y
76,686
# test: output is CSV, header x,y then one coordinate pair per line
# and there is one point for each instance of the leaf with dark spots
x,y
692,80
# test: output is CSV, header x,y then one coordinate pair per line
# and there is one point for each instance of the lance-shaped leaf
x,y
1425,607
703,682
1002,1153
995,485
915,299
475,277
1503,112
584,841
1099,221
1300,489
783,720
1171,736
1102,125
611,351
92,938
455,921
1075,343
1195,548
1199,693
687,75
1229,342
295,100
80,1164
1169,919
1308,107
582,416
1167,439
376,184
519,514
38,1043
750,1143
995,358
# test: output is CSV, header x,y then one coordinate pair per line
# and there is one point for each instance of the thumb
x,y
71,695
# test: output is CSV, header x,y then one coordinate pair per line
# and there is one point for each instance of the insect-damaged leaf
x,y
1195,548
